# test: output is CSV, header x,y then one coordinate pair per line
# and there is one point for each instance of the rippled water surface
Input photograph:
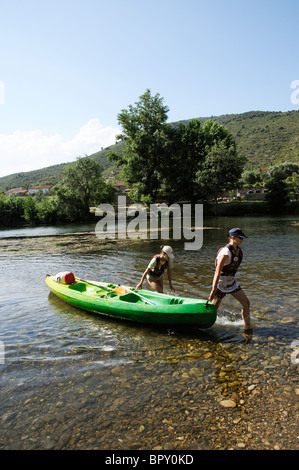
x,y
75,380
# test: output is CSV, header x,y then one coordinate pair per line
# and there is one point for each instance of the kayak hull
x,y
140,306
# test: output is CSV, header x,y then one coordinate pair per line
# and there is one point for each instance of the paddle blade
x,y
120,290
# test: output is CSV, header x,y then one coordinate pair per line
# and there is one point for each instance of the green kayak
x,y
128,303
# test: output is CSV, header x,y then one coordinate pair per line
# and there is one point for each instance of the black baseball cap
x,y
236,232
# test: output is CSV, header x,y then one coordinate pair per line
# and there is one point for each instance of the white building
x,y
35,189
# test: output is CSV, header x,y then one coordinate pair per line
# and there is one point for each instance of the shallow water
x,y
75,380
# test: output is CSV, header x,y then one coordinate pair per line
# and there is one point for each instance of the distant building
x,y
31,191
35,189
17,192
120,187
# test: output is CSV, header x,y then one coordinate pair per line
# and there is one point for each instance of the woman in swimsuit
x,y
227,262
157,267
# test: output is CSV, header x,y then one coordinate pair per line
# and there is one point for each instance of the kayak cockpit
x,y
98,292
108,292
132,298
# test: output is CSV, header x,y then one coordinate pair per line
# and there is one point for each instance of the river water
x,y
75,380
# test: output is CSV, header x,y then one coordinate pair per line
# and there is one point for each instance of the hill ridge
x,y
266,138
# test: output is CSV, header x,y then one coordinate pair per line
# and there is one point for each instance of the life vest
x,y
159,269
237,256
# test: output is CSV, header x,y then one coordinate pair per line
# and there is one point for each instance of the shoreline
x,y
223,209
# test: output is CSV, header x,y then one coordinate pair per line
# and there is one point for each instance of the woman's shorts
x,y
227,285
221,294
154,278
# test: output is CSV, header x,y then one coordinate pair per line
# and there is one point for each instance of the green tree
x,y
30,210
293,186
186,153
47,209
180,159
221,169
251,177
278,195
203,162
146,137
83,186
283,171
213,133
11,211
282,184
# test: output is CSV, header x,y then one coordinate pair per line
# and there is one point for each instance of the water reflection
x,y
45,231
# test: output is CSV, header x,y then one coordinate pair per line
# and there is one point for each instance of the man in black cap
x,y
227,262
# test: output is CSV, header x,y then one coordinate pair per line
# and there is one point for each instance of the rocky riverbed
x,y
71,380
165,400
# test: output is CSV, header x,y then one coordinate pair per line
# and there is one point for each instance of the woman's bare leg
x,y
157,286
244,301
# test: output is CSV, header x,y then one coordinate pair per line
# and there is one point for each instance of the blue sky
x,y
68,67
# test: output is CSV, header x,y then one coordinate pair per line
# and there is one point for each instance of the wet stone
x,y
228,403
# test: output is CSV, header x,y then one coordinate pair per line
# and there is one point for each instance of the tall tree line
x,y
183,162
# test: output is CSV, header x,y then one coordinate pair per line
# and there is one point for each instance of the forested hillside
x,y
49,175
265,138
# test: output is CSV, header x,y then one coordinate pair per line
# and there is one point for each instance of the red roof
x,y
42,187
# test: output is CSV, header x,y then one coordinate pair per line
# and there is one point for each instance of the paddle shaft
x,y
115,290
141,296
96,285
